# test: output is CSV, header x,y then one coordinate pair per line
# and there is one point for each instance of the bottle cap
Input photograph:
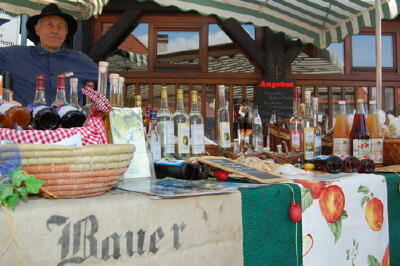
x,y
194,96
372,102
40,82
61,81
342,102
73,82
221,89
360,100
164,92
179,94
114,76
103,64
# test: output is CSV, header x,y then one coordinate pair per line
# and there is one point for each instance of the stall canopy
x,y
80,9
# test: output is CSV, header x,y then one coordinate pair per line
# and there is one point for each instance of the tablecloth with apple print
x,y
344,219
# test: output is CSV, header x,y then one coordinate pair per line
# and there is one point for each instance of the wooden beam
x,y
115,35
248,45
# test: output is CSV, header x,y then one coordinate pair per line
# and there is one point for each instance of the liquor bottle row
x,y
40,114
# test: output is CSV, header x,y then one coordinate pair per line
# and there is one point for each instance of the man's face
x,y
52,31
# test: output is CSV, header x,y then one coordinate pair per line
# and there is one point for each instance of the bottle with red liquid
x,y
359,134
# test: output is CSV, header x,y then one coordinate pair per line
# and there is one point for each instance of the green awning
x,y
80,9
320,22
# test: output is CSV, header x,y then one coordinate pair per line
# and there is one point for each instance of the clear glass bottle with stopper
x,y
153,139
224,131
181,126
196,127
257,132
115,97
102,78
296,132
165,125
308,130
317,128
88,106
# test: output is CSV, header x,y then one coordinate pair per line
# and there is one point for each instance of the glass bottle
x,y
115,97
121,91
257,131
224,135
147,117
317,128
73,93
70,115
102,77
375,134
19,115
88,106
165,125
248,119
153,138
308,130
359,134
196,127
181,126
236,118
43,116
295,122
341,133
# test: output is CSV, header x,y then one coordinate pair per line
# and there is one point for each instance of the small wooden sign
x,y
234,167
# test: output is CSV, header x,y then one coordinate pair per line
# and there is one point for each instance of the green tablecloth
x,y
269,236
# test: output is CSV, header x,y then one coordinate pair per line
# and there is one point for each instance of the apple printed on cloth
x,y
345,221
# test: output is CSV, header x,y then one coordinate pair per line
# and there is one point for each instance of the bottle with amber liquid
x,y
224,129
375,134
19,115
43,116
115,93
341,133
70,115
359,134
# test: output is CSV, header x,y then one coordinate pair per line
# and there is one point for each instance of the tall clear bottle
x,y
375,134
257,131
317,128
153,139
308,130
224,130
341,133
87,108
102,78
196,127
359,134
121,91
115,96
181,126
165,125
296,132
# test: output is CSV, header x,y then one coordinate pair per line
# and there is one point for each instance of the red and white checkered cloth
x,y
92,132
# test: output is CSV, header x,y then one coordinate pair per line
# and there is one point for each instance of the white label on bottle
x,y
5,106
318,145
361,148
341,147
295,140
65,109
377,150
257,121
38,108
155,148
224,135
197,134
309,143
165,130
183,138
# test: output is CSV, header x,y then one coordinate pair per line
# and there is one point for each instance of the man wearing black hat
x,y
51,31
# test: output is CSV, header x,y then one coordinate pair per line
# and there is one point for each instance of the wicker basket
x,y
277,134
391,151
75,172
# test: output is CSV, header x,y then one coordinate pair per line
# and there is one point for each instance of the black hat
x,y
51,10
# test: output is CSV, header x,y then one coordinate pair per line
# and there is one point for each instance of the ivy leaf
x,y
6,192
17,176
372,261
13,200
344,215
23,193
336,229
306,198
364,200
363,189
33,184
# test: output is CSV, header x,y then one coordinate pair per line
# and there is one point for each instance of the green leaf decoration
x,y
33,184
344,215
13,200
364,200
17,176
363,189
336,229
372,261
306,198
6,192
23,193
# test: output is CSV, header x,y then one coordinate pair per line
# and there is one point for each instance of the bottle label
x,y
361,148
5,106
308,143
166,132
341,147
257,120
197,133
183,138
318,145
65,109
224,135
376,150
155,148
38,108
295,140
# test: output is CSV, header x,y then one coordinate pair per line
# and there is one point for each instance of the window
x,y
363,51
